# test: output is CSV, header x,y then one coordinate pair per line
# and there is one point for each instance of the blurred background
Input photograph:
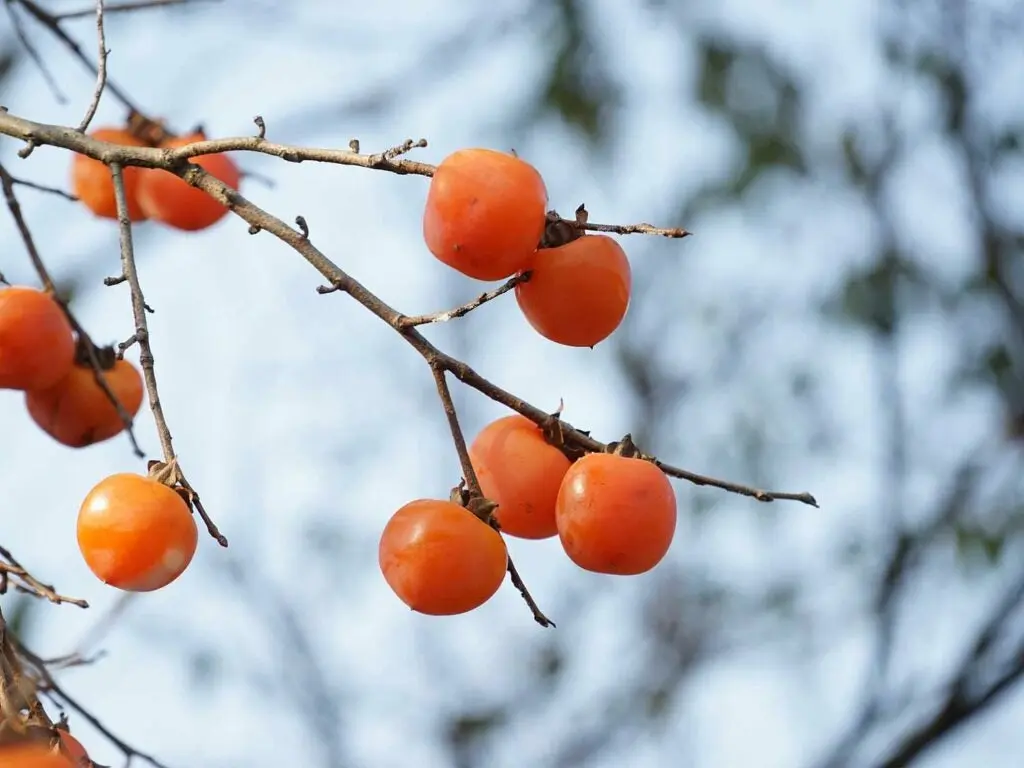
x,y
848,319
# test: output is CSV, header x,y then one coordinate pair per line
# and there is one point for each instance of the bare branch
x,y
101,70
469,306
12,570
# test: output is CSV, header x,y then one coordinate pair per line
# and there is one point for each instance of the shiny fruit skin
x,y
32,755
520,471
578,293
485,213
76,411
171,200
37,348
135,533
440,559
615,515
94,186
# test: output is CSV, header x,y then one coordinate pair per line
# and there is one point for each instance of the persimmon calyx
x,y
166,473
478,505
626,448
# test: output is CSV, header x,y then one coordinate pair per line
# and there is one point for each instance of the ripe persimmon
x,y
36,343
136,533
485,213
615,514
577,293
440,558
32,754
94,186
169,199
77,412
73,748
520,471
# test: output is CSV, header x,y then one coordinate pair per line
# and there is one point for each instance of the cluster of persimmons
x,y
614,513
485,216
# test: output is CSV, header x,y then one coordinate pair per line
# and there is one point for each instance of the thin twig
x,y
458,438
464,309
7,183
131,275
44,188
101,70
139,5
26,582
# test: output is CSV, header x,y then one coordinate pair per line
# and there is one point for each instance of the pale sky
x,y
278,398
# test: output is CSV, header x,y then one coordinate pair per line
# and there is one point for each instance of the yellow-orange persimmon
x,y
578,293
485,213
33,755
440,559
94,186
136,533
520,471
37,348
615,514
77,412
169,199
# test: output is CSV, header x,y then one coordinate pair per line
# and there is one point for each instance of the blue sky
x,y
278,398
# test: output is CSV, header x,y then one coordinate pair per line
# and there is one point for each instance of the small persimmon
x,y
578,293
32,754
615,514
77,412
93,184
37,347
485,213
171,200
440,558
520,471
136,533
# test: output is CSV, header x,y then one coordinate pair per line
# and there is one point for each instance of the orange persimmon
x,y
171,200
37,348
440,558
136,533
77,412
485,213
73,748
94,186
615,514
32,754
520,471
578,293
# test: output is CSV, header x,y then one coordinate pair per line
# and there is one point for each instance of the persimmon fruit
x,y
77,412
33,755
440,558
171,200
520,471
37,347
485,213
578,293
93,184
73,749
135,533
615,514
